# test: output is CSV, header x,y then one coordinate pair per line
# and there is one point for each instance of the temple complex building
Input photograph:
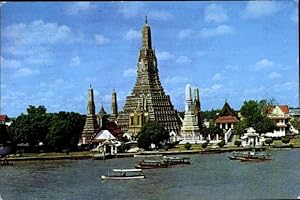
x,y
91,126
148,100
227,118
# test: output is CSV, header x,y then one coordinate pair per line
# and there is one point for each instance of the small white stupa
x,y
190,129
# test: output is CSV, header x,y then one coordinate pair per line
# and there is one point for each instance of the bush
x,y
269,141
238,143
166,147
285,139
187,146
221,144
204,145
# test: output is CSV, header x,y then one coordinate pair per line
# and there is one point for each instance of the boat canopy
x,y
127,170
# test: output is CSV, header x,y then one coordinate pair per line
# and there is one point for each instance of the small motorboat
x,y
124,174
152,164
176,160
250,156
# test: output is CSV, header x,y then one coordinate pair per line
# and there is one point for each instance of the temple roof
x,y
283,108
227,115
227,119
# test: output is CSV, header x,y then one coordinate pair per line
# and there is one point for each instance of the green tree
x,y
285,139
65,130
238,143
221,144
295,123
269,141
152,132
3,134
187,145
255,115
210,114
30,128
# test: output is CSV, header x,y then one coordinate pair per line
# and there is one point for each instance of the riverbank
x,y
97,156
196,149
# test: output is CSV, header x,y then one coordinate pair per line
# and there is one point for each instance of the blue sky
x,y
239,50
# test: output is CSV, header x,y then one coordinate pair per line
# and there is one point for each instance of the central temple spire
x,y
146,36
148,100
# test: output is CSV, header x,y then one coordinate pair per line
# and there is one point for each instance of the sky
x,y
232,51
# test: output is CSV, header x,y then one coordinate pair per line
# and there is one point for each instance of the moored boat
x,y
176,160
152,164
250,156
124,174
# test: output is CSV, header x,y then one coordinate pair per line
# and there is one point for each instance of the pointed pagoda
x,y
197,109
148,92
91,125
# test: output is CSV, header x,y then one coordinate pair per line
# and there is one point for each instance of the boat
x,y
5,162
152,164
146,156
124,174
176,160
250,156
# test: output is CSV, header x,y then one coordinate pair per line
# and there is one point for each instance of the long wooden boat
x,y
250,156
172,160
124,174
152,164
5,162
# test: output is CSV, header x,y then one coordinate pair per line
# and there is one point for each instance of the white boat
x,y
124,174
146,156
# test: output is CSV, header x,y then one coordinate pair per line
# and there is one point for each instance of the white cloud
x,y
219,30
287,86
215,13
78,7
274,75
217,77
183,60
101,39
160,15
262,64
185,33
75,61
201,53
10,63
132,34
24,72
210,91
175,79
38,33
164,55
258,9
131,10
130,72
216,86
294,16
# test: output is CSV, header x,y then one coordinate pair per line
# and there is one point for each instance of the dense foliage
x,y
55,130
269,141
221,144
238,143
255,115
152,132
212,114
285,139
187,146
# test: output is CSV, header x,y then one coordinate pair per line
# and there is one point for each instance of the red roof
x,y
226,119
114,129
3,118
283,108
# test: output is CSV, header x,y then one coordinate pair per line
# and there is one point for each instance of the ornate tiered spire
x,y
148,91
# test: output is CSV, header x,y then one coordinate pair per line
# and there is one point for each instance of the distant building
x,y
280,115
294,113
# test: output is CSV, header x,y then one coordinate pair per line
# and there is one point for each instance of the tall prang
x,y
91,125
148,100
114,107
197,109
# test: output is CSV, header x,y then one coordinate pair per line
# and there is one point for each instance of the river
x,y
210,176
